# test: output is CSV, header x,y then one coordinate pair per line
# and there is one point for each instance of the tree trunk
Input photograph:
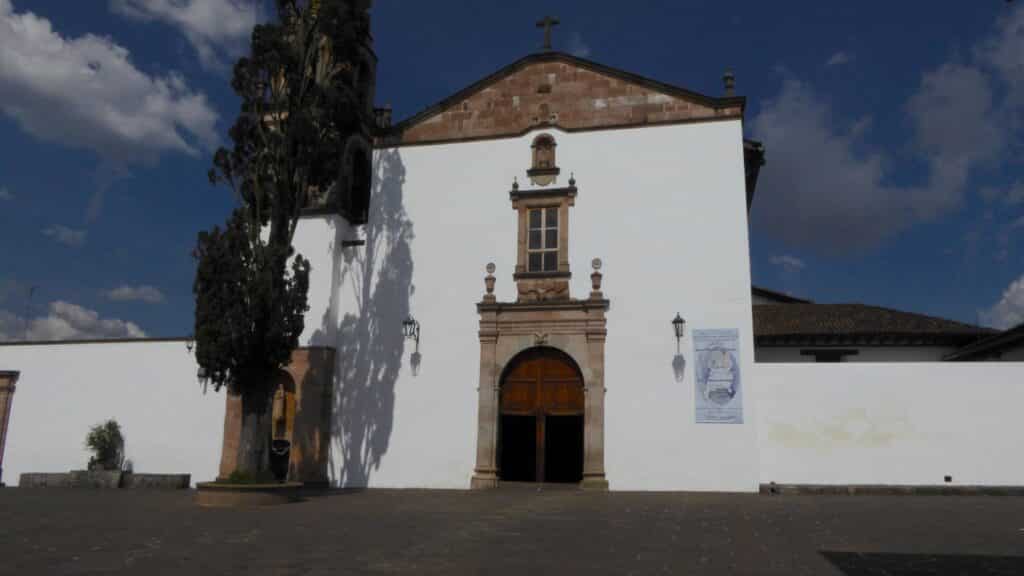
x,y
254,443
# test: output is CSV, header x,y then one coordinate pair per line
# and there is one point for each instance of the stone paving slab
x,y
64,531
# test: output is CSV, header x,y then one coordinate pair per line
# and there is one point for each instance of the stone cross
x,y
546,24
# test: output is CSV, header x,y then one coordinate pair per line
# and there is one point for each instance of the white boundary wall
x,y
150,388
894,424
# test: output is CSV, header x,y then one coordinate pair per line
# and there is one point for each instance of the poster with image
x,y
719,394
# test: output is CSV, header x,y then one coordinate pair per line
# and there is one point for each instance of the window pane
x,y
535,240
551,238
535,261
552,217
534,218
550,261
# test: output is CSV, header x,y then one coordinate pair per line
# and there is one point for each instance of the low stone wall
x,y
157,481
100,479
73,479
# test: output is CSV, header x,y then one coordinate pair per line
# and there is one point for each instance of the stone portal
x,y
541,394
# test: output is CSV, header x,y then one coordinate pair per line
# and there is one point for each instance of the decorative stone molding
x,y
543,285
575,327
8,382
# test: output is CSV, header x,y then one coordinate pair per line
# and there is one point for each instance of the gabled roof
x,y
784,324
779,297
579,94
991,346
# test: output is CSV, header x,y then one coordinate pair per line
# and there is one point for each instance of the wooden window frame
x,y
545,251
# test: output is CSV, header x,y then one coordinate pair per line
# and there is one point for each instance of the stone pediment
x,y
553,89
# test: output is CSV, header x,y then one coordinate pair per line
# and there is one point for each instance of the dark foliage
x,y
106,443
299,105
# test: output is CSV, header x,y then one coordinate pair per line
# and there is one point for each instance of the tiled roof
x,y
777,296
799,321
993,344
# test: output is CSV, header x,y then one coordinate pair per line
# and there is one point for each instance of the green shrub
x,y
107,445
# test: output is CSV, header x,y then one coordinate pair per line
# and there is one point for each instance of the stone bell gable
x,y
553,89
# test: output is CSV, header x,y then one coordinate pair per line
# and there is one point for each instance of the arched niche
x,y
543,167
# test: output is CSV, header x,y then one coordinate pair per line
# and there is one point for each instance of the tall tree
x,y
299,104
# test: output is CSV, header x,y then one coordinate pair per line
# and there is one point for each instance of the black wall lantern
x,y
679,325
411,330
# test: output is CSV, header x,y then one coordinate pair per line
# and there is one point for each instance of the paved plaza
x,y
510,531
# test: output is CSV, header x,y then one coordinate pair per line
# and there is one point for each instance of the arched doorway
x,y
540,436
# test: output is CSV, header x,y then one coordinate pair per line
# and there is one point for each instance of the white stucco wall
x,y
150,388
663,207
891,423
864,353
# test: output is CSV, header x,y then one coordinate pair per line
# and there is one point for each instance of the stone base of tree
x,y
226,495
104,479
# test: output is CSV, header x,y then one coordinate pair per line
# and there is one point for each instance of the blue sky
x,y
893,134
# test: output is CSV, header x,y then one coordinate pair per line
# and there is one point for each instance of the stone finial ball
x,y
491,268
595,263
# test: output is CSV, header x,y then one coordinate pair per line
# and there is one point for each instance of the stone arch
x,y
541,417
508,360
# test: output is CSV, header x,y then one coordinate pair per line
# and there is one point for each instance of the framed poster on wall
x,y
717,385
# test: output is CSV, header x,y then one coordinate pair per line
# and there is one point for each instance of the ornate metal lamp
x,y
679,326
411,330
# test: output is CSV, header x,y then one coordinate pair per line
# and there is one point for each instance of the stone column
x,y
593,428
485,474
7,386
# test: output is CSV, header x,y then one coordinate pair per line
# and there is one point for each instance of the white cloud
x,y
825,188
85,93
1009,310
788,262
839,58
6,194
144,293
822,188
954,115
66,321
577,47
1002,52
217,29
64,235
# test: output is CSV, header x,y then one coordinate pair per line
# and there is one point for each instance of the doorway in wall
x,y
541,425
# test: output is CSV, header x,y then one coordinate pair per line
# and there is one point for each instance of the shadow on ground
x,y
877,564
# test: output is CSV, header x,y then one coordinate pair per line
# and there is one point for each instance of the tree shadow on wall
x,y
377,280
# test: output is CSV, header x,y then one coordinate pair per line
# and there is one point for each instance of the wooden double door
x,y
541,428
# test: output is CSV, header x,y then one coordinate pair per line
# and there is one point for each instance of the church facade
x,y
546,278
